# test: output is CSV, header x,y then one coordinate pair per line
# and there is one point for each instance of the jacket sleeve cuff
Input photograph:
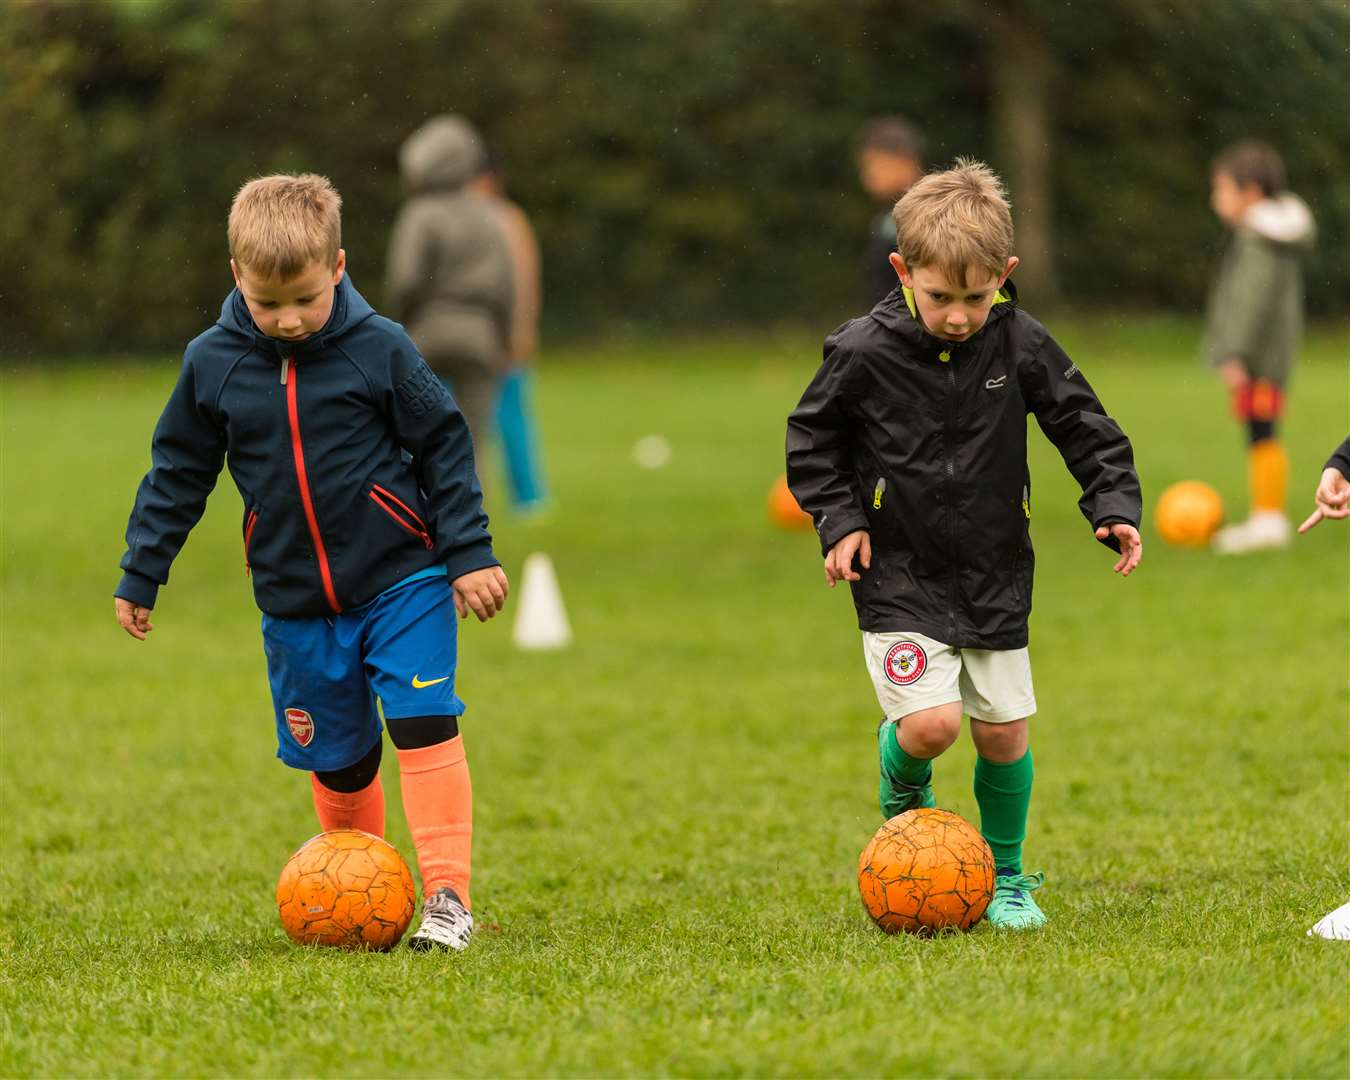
x,y
837,526
466,560
139,590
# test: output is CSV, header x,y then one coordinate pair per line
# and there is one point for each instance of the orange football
x,y
783,509
346,888
926,870
1188,514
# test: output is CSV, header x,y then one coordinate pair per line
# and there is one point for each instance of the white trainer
x,y
446,923
1263,530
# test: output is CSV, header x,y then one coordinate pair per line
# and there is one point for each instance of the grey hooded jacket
x,y
449,273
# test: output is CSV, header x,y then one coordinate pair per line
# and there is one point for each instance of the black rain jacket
x,y
355,466
923,443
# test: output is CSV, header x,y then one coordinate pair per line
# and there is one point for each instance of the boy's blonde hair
x,y
955,221
280,224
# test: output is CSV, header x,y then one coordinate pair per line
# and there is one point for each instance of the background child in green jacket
x,y
1254,322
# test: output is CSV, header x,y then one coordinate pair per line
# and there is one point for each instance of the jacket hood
x,y
349,310
898,313
445,153
1283,219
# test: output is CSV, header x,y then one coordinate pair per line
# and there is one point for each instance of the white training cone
x,y
1335,926
541,620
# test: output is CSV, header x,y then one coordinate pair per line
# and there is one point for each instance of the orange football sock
x,y
438,803
1268,474
362,809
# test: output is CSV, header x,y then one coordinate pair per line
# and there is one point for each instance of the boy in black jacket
x,y
363,527
908,449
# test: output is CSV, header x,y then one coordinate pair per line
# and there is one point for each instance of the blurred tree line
x,y
686,163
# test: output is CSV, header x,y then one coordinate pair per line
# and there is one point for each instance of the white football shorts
x,y
912,672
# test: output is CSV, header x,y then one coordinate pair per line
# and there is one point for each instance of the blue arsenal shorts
x,y
326,673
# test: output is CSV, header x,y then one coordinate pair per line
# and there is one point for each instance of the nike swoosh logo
x,y
996,384
418,684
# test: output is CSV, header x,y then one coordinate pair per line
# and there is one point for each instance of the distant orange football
x,y
1188,514
784,511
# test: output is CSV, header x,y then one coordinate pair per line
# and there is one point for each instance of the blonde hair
x,y
956,221
280,224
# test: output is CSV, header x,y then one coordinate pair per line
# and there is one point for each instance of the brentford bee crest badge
x,y
301,726
905,662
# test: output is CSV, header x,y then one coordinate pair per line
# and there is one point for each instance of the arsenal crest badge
x,y
301,726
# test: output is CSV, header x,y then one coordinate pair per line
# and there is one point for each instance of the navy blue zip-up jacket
x,y
923,443
314,434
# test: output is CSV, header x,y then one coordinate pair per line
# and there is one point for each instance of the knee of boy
x,y
932,731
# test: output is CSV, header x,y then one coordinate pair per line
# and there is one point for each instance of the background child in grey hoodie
x,y
1254,322
449,275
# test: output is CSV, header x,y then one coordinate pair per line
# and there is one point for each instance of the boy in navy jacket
x,y
362,526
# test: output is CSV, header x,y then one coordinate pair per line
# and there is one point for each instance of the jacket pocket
x,y
250,522
401,513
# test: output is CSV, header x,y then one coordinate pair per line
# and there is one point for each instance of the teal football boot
x,y
1012,907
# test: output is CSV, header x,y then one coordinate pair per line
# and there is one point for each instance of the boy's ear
x,y
234,271
1013,260
340,266
902,271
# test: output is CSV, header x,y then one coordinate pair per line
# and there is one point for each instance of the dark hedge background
x,y
686,164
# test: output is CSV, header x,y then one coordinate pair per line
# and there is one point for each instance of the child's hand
x,y
839,562
481,591
1233,374
1131,547
1332,497
133,618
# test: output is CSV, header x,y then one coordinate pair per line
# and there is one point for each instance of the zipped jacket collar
x,y
898,313
350,309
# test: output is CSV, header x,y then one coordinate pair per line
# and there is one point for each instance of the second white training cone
x,y
541,619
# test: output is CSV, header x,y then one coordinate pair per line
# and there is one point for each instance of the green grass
x,y
669,813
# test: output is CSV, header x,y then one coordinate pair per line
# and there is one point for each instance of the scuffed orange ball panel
x,y
346,888
926,870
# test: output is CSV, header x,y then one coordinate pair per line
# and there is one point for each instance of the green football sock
x,y
1003,790
904,766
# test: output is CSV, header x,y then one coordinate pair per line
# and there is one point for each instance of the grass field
x,y
669,813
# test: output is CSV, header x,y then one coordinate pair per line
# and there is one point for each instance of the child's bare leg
x,y
908,746
928,732
999,742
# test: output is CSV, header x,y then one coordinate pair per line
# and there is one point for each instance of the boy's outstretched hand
x,y
839,562
1332,499
133,618
481,591
1131,547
